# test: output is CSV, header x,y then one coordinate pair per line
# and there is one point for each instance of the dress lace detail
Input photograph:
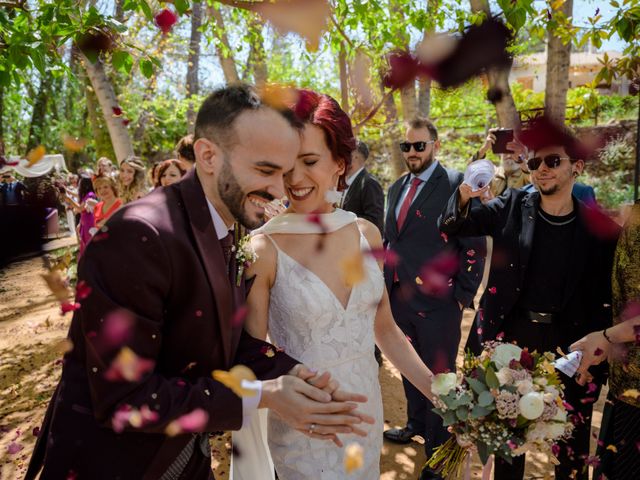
x,y
310,323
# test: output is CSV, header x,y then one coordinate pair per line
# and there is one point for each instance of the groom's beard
x,y
233,197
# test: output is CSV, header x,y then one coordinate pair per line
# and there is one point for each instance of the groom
x,y
158,294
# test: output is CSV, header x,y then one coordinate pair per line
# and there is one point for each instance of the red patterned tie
x,y
408,200
404,211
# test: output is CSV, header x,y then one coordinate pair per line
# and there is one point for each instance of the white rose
x,y
531,405
504,376
504,353
552,390
443,383
524,386
554,430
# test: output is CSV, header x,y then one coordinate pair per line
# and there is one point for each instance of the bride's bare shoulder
x,y
370,232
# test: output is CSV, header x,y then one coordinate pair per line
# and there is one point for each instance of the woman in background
x,y
132,179
104,166
169,171
84,207
107,191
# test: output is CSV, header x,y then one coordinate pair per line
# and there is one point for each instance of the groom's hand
x,y
309,409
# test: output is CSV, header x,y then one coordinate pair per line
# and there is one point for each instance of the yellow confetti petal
x,y
73,144
631,393
353,460
278,96
233,379
612,448
353,269
64,346
56,285
35,155
419,281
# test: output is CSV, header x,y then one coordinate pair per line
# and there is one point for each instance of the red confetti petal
x,y
492,290
66,307
35,431
165,20
82,290
387,255
591,387
599,223
598,351
437,273
117,111
239,316
126,121
444,237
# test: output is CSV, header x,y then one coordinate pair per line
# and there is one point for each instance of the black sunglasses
x,y
551,161
417,146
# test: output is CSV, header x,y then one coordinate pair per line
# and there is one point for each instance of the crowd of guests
x,y
92,197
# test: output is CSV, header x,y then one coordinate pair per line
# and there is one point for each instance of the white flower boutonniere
x,y
245,256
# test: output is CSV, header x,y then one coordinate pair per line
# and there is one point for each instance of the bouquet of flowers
x,y
505,402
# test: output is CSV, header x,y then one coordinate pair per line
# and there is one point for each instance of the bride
x,y
319,294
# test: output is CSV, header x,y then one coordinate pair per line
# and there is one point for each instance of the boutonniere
x,y
245,256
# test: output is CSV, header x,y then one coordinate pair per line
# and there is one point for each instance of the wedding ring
x,y
312,427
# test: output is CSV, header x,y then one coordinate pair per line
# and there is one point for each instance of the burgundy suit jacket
x,y
159,259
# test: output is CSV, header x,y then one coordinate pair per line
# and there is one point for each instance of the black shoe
x,y
428,474
400,435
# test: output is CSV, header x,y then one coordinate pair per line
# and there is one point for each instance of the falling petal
x,y
36,431
57,286
436,274
353,457
403,69
165,19
66,307
307,18
278,96
128,366
96,42
14,448
82,290
591,387
268,351
117,329
117,111
352,269
239,316
233,379
492,290
195,421
35,155
64,346
599,223
73,144
631,393
612,448
598,351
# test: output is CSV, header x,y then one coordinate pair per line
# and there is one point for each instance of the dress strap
x,y
273,242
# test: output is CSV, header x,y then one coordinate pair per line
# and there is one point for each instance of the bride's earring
x,y
333,196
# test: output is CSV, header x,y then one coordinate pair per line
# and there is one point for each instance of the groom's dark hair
x,y
220,109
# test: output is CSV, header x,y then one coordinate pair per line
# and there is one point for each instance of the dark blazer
x,y
510,219
365,198
19,189
160,260
420,241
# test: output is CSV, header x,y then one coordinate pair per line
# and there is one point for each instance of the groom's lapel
x,y
210,252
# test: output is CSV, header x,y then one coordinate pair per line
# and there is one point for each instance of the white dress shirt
x,y
249,404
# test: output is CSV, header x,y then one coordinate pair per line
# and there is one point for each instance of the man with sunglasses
x,y
431,319
550,278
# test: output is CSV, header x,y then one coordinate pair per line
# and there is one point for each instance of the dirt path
x,y
31,331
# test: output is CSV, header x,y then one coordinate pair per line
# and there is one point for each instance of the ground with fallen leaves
x,y
31,344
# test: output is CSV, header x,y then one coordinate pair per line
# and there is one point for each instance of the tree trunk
x,y
223,48
558,61
257,61
119,13
120,139
2,150
36,129
392,134
193,62
424,84
424,97
344,75
498,79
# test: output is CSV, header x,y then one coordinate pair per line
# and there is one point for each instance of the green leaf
x,y
476,385
449,418
122,61
491,379
182,6
146,67
483,452
146,9
462,413
479,412
485,399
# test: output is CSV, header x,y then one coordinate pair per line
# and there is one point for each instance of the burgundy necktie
x,y
408,200
227,249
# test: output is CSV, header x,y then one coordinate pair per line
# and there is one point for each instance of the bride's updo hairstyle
x,y
324,112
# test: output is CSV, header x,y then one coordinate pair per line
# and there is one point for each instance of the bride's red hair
x,y
324,112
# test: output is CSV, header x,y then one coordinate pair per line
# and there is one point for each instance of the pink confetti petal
x,y
239,317
66,307
127,366
14,448
117,329
471,253
597,352
195,421
492,290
